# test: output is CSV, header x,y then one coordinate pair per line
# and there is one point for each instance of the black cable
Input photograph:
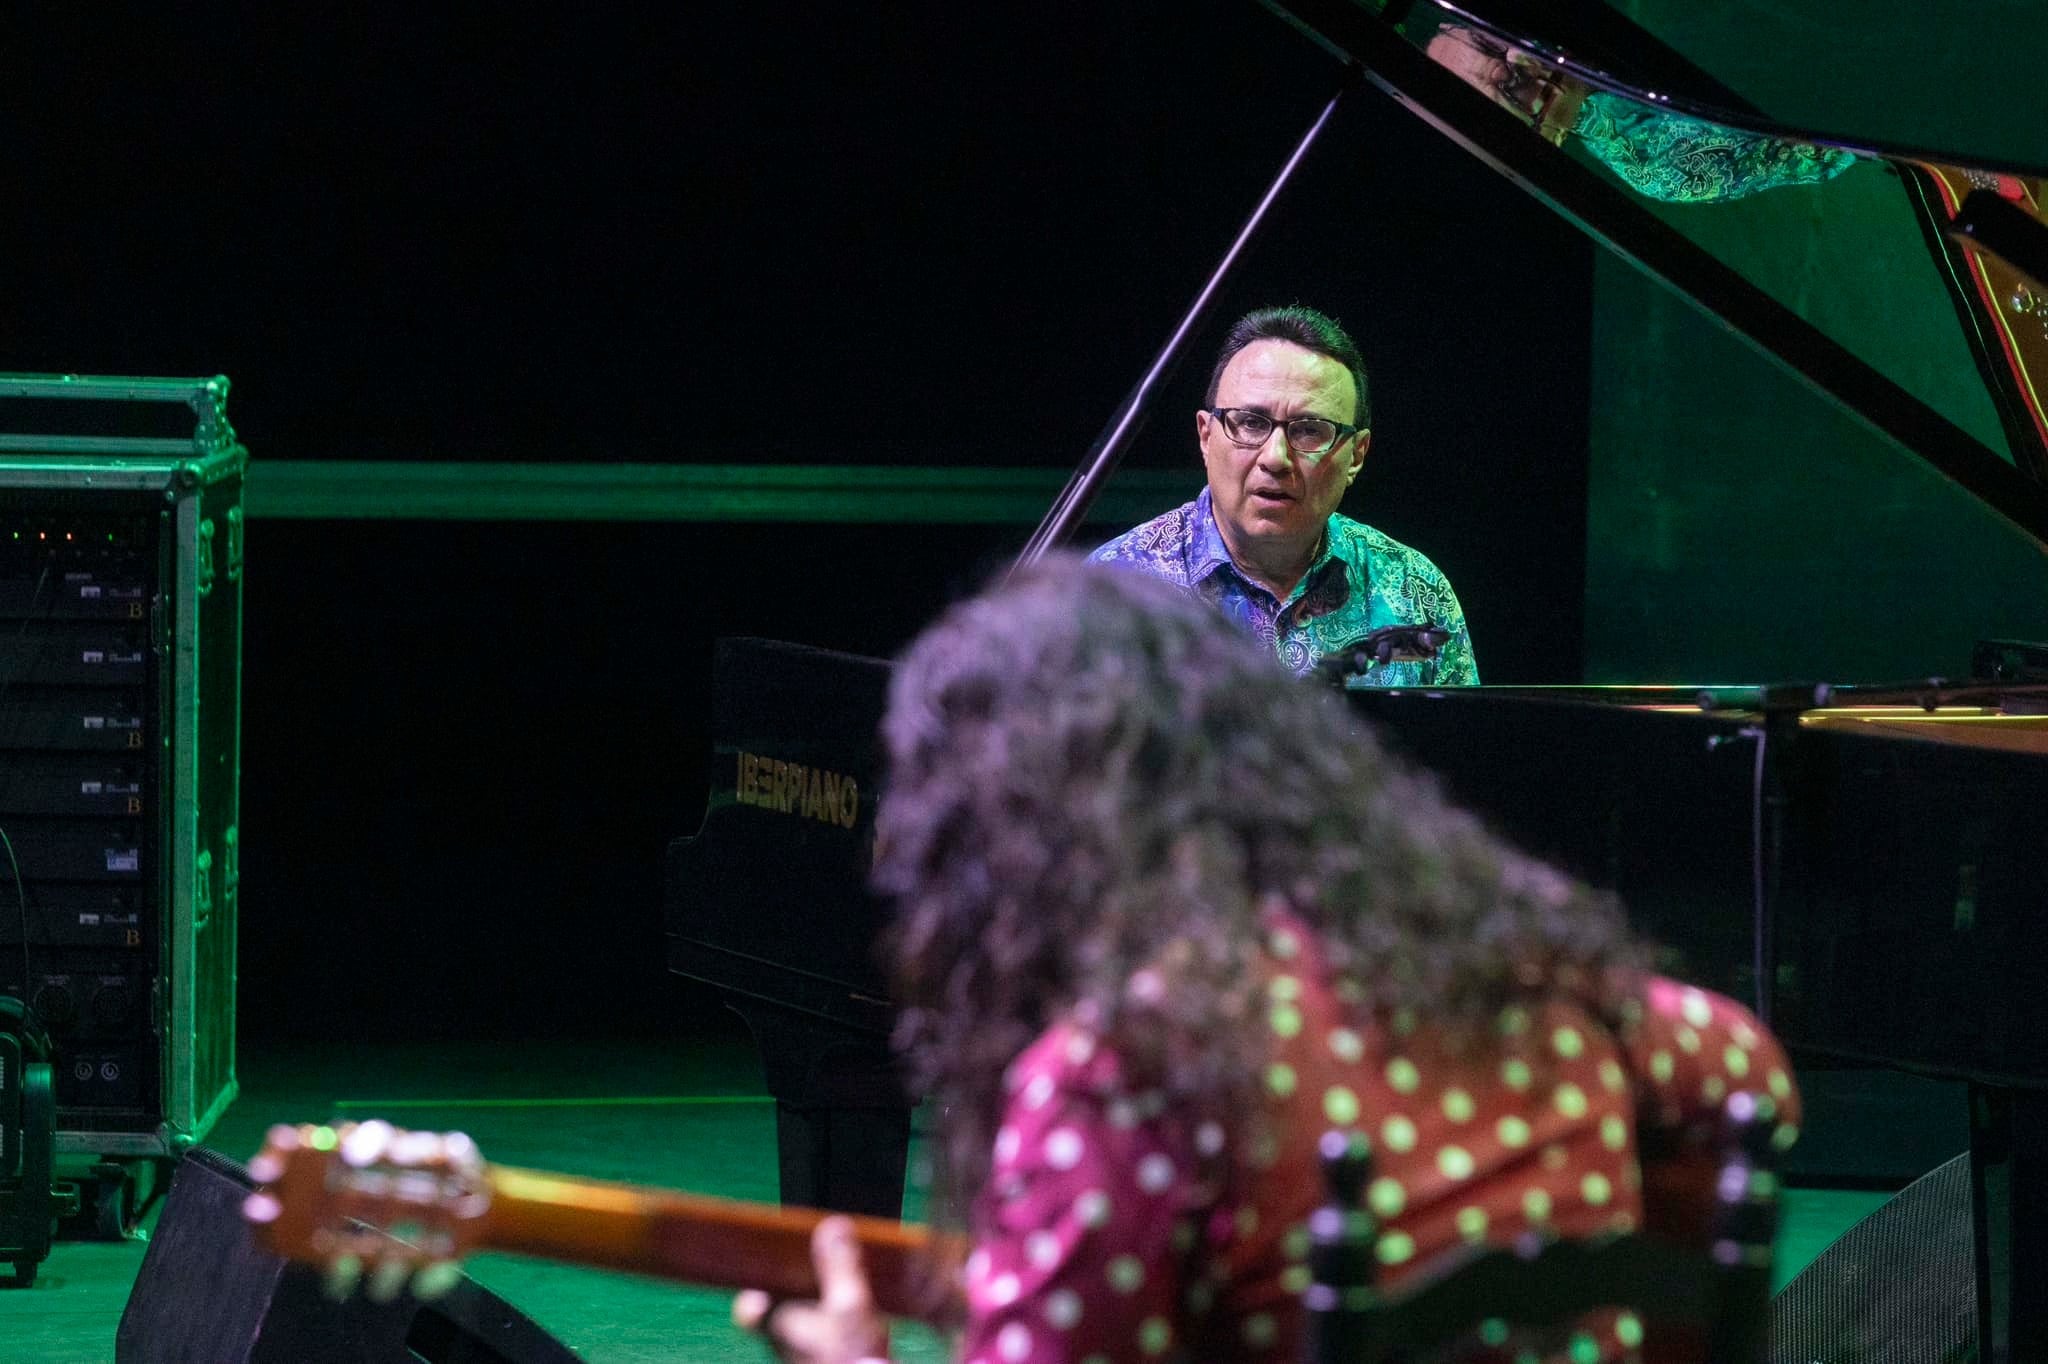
x,y
21,900
1760,912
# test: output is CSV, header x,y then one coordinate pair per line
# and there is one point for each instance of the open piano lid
x,y
1798,240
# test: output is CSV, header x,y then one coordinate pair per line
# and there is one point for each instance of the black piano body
x,y
1878,866
769,904
1870,874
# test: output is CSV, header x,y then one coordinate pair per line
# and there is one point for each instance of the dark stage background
x,y
921,235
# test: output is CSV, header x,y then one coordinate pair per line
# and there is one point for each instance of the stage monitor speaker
x,y
208,1294
1899,1287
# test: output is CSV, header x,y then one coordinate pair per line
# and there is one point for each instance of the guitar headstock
x,y
368,1195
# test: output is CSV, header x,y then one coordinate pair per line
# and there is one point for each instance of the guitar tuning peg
x,y
364,1143
436,1279
415,1148
342,1277
387,1280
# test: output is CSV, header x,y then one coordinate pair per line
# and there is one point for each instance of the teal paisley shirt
x,y
1361,580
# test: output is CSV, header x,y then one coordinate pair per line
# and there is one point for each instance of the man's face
x,y
1271,497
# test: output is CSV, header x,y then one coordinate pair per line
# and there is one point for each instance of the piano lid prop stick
x,y
1070,508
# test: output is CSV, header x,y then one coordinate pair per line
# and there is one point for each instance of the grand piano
x,y
1864,863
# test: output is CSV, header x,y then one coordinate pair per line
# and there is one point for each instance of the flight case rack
x,y
120,727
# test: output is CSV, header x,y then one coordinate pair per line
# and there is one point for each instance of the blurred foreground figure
x,y
1167,915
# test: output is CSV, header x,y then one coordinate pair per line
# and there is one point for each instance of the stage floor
x,y
681,1115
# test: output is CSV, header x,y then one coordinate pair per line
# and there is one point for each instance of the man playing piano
x,y
1284,431
1165,916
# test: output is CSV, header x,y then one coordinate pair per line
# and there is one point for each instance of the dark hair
x,y
1304,327
1093,774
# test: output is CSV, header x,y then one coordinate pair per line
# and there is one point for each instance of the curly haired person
x,y
1166,915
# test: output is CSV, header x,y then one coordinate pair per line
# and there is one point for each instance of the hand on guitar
x,y
842,1326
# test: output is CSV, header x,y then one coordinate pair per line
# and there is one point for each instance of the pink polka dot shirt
x,y
1104,1233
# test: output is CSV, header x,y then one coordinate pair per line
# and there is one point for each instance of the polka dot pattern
x,y
1063,1149
1101,1238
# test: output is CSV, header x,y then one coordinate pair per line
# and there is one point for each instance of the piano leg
x,y
846,1159
842,1117
2009,1209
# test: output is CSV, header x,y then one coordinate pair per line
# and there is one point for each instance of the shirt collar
x,y
1207,552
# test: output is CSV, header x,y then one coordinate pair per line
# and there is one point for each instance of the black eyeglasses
x,y
1305,435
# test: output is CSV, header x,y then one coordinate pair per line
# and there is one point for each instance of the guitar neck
x,y
714,1241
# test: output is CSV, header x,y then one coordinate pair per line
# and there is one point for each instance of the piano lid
x,y
1813,244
